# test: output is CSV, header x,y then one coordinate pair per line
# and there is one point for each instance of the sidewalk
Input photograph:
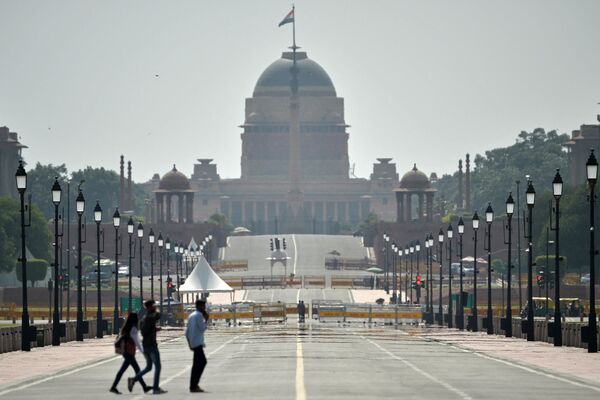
x,y
49,360
571,361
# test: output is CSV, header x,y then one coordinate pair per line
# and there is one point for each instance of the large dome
x,y
174,181
414,179
312,78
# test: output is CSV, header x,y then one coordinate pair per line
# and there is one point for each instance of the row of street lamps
x,y
164,246
589,332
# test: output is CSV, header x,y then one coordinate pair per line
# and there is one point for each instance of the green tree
x,y
37,270
100,185
221,222
39,183
38,236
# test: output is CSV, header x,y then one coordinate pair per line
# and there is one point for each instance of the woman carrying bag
x,y
126,344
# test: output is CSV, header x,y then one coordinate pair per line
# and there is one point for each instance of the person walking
x,y
194,334
151,354
127,343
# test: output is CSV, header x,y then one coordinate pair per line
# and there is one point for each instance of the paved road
x,y
324,362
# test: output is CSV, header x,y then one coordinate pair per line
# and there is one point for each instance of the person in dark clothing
x,y
194,334
130,339
151,353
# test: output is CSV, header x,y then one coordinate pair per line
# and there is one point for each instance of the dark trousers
x,y
152,356
128,360
197,366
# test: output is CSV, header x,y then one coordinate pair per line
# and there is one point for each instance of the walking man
x,y
151,354
194,334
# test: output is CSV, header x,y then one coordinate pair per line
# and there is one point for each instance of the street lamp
x,y
592,176
489,218
450,234
473,319
161,244
26,332
98,220
400,253
430,284
140,234
412,282
386,240
168,250
394,276
418,284
556,328
56,198
407,291
151,239
461,306
440,244
510,210
80,208
530,199
116,224
130,228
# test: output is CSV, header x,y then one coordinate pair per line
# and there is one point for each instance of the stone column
x,y
169,203
399,207
420,206
190,208
409,206
180,210
429,207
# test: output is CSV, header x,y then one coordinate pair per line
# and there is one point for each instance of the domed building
x,y
414,183
331,198
174,198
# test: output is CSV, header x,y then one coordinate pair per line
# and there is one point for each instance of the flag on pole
x,y
288,18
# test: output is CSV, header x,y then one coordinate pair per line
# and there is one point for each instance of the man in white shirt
x,y
194,334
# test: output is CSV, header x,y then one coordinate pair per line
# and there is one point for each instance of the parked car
x,y
105,277
123,270
585,279
467,269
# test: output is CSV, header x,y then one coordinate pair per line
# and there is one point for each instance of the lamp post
x,y
474,317
131,257
116,224
21,178
461,306
407,279
151,239
168,250
400,253
98,220
140,235
412,282
427,275
518,209
489,218
592,176
80,207
394,276
418,288
450,234
557,186
530,198
386,267
440,244
56,197
161,244
430,285
510,209
177,249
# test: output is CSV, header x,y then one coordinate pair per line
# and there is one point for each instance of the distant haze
x,y
423,81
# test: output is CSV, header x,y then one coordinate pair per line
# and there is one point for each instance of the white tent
x,y
204,280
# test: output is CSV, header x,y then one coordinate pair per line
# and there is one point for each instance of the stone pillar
x,y
460,202
420,206
409,206
429,207
468,183
122,184
169,203
180,210
399,207
190,208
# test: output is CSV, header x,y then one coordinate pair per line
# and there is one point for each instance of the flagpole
x,y
294,30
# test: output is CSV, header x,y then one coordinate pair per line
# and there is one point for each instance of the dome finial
x,y
174,167
415,167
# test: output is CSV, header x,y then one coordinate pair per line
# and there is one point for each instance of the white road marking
x,y
528,369
295,253
298,297
412,366
300,389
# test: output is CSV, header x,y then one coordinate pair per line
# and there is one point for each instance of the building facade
x,y
10,154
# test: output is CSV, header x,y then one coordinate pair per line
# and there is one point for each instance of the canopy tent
x,y
204,280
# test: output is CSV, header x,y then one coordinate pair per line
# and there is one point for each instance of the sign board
x,y
124,304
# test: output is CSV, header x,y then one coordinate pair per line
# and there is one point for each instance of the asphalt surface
x,y
321,362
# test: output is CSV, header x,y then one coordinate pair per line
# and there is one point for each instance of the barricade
x,y
231,314
314,282
270,312
368,313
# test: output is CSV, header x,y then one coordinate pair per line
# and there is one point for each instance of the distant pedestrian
x,y
301,311
149,329
128,340
194,334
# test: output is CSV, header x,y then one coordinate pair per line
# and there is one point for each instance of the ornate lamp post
x,y
407,282
557,186
116,224
530,198
386,267
461,307
394,276
430,284
510,209
592,329
161,244
400,253
140,235
151,239
56,197
79,207
427,276
474,317
440,246
131,257
98,220
26,331
489,218
450,234
412,282
167,251
418,284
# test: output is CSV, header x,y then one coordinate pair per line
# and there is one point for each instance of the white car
x,y
123,271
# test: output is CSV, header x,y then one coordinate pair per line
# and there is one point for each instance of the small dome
x,y
174,180
414,179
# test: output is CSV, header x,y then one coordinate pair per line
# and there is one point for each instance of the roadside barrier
x,y
369,313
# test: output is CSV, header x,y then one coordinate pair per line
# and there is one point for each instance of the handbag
x,y
120,345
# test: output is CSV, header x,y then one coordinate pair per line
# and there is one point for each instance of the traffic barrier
x,y
369,313
314,282
270,312
231,314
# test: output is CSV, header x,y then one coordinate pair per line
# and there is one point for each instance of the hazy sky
x,y
423,81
